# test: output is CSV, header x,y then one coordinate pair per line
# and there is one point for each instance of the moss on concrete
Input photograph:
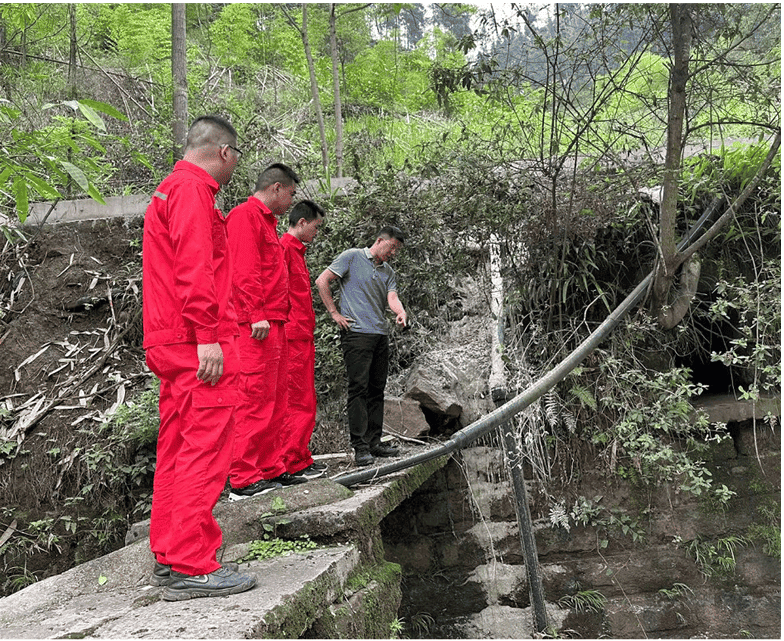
x,y
291,619
367,608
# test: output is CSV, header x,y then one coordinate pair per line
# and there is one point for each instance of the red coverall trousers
x,y
301,416
194,454
258,442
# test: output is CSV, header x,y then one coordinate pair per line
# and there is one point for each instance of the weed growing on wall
x,y
715,558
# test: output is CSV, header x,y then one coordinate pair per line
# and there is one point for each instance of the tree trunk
x,y
4,63
314,91
333,45
670,259
71,91
179,79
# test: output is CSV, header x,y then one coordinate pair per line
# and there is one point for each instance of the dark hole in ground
x,y
434,607
440,424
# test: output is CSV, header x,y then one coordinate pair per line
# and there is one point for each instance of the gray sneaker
x,y
162,574
219,583
254,489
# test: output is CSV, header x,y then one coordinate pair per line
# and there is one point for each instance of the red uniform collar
x,y
184,165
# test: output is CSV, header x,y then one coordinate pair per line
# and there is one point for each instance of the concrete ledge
x,y
76,605
88,209
726,409
110,597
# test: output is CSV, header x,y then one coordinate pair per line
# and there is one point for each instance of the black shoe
x,y
257,488
312,471
219,583
384,450
363,459
287,479
162,574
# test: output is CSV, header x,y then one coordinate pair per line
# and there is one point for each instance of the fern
x,y
584,396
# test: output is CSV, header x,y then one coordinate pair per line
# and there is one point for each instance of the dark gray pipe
x,y
488,423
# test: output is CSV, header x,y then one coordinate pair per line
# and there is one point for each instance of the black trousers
x,y
366,357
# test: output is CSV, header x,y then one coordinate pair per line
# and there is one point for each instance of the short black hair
x,y
306,209
276,173
210,130
390,231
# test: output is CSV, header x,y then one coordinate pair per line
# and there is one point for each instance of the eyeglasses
x,y
239,151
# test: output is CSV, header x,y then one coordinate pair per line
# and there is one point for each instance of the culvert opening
x,y
718,378
420,534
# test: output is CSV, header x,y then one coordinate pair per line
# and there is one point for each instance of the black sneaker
x,y
384,450
257,488
287,479
219,583
162,574
363,459
312,471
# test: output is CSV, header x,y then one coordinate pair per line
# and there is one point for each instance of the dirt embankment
x,y
70,335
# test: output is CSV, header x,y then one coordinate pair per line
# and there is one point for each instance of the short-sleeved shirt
x,y
364,287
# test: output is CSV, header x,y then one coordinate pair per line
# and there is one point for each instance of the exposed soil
x,y
70,334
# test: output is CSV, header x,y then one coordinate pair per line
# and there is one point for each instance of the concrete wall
x,y
462,525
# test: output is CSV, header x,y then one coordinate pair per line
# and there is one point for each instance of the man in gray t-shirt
x,y
367,286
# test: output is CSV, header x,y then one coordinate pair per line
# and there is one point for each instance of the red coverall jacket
x,y
261,281
187,282
302,318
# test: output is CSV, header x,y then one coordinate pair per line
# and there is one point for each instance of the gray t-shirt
x,y
363,290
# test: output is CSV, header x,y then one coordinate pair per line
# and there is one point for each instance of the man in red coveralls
x,y
304,221
190,330
261,296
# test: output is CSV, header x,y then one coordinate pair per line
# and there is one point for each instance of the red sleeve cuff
x,y
206,336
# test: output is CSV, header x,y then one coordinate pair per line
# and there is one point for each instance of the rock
x,y
404,417
502,583
503,622
434,389
452,383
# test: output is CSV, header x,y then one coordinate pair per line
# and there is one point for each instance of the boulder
x,y
452,383
404,417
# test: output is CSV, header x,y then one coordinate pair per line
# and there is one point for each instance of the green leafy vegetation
x,y
540,132
270,547
584,601
677,591
715,558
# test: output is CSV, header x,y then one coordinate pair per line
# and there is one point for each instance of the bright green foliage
x,y
584,601
390,80
628,109
142,33
63,157
234,36
271,547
